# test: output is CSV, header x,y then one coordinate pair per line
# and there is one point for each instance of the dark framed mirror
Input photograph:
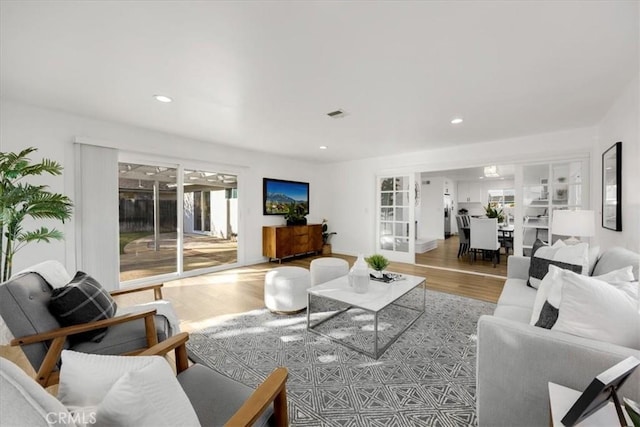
x,y
612,187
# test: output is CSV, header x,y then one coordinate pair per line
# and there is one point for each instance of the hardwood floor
x,y
199,300
446,256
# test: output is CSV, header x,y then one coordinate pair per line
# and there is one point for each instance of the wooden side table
x,y
562,398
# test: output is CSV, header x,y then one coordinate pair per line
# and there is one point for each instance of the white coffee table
x,y
379,296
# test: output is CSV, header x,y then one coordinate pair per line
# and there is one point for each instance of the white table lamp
x,y
573,223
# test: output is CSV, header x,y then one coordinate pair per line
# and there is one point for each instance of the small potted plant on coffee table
x,y
378,263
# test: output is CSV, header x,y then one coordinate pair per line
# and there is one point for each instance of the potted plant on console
x,y
326,238
296,215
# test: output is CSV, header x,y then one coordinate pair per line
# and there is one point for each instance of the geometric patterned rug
x,y
425,378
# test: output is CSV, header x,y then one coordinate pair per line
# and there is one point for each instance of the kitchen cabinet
x,y
470,192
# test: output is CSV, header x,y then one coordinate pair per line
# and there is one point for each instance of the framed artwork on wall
x,y
612,187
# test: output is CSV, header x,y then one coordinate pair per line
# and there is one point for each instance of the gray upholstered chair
x,y
24,303
216,399
219,400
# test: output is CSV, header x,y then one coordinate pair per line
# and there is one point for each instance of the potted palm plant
x,y
20,200
326,238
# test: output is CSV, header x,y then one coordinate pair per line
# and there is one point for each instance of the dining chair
x,y
463,236
505,236
484,238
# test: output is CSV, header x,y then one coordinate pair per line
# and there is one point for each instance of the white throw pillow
x,y
574,257
85,379
550,288
150,397
594,309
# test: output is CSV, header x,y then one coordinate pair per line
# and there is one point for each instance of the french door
x,y
395,236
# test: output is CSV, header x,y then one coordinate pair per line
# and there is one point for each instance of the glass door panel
x,y
395,213
210,210
148,220
548,187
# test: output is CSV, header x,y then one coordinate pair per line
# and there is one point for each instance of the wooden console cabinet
x,y
283,241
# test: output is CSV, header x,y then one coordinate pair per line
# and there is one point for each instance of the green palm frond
x,y
41,235
19,200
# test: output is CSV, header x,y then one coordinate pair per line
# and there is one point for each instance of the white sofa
x,y
515,361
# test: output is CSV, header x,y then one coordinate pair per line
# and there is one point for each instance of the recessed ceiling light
x,y
481,177
162,98
323,147
456,120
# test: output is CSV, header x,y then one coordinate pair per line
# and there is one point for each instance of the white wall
x,y
219,214
343,193
188,212
54,132
620,124
431,222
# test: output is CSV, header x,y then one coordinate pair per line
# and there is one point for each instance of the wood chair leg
x,y
280,413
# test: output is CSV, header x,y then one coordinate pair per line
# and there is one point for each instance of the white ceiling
x,y
263,75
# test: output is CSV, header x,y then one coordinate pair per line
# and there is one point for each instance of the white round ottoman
x,y
285,289
325,269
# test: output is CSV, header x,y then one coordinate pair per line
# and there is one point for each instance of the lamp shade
x,y
573,223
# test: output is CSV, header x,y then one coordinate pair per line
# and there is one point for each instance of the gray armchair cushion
x,y
24,302
123,338
215,397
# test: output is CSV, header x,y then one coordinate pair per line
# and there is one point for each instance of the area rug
x,y
426,378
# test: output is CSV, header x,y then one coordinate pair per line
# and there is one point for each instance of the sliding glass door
x,y
148,220
210,219
175,220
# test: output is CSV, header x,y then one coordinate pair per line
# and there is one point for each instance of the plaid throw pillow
x,y
82,300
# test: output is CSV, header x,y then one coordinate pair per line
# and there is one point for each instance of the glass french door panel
x,y
210,209
148,220
386,214
394,213
386,199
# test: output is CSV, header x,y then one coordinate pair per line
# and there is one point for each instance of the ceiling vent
x,y
336,114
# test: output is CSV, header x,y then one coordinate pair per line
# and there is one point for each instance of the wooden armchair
x,y
216,399
24,308
219,400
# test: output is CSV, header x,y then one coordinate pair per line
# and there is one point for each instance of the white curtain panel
x,y
96,213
